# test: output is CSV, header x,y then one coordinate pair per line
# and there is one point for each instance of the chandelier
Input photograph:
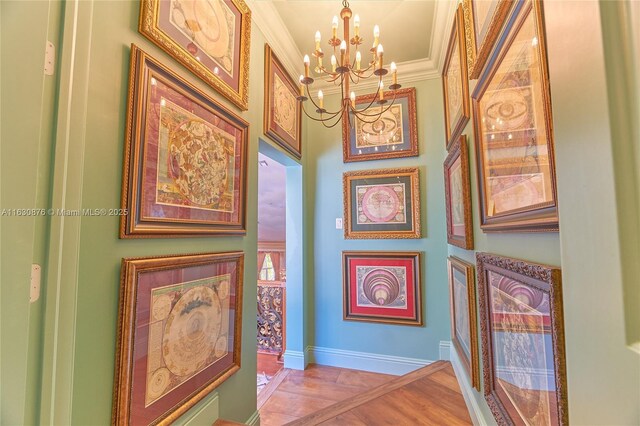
x,y
344,71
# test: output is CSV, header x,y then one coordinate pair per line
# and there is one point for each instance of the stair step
x,y
349,404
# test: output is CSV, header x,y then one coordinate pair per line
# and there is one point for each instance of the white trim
x,y
254,420
445,349
203,413
296,360
377,363
442,23
469,394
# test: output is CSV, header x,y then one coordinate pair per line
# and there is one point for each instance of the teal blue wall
x,y
324,171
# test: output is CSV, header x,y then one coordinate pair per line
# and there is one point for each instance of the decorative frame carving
x,y
457,151
543,279
149,27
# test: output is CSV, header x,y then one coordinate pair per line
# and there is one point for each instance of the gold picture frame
x,y
221,61
455,82
383,203
513,130
483,20
457,192
282,110
464,324
160,373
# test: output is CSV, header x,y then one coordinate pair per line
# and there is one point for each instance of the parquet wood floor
x,y
333,396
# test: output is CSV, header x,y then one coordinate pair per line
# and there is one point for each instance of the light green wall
x,y
324,171
27,108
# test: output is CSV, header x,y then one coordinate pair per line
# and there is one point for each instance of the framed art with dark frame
x,y
457,192
464,327
282,110
455,82
523,349
382,203
483,20
185,159
382,287
393,134
179,333
211,39
514,131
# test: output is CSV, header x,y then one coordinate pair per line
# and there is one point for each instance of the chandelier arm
x,y
317,106
361,113
329,126
321,120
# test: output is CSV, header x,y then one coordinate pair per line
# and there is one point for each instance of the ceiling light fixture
x,y
344,71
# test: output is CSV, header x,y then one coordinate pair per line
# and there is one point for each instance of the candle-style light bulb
x,y
320,99
343,51
394,72
343,46
379,52
301,85
306,65
356,24
358,60
318,38
376,36
333,63
334,26
353,100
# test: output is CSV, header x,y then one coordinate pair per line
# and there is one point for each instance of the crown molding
x,y
266,17
442,22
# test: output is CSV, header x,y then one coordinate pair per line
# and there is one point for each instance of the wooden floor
x,y
335,396
269,364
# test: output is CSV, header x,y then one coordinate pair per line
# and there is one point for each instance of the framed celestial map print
x,y
282,110
390,132
382,287
513,130
179,333
458,195
464,328
382,203
455,82
523,350
185,158
483,20
209,37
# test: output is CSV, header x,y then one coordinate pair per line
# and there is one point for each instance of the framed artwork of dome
x,y
179,333
211,38
185,158
382,287
523,353
282,109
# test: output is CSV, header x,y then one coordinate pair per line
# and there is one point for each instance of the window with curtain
x,y
267,272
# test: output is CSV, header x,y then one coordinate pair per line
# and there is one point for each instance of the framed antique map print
x,y
513,130
209,37
455,82
282,109
390,132
483,20
382,203
184,161
458,195
523,351
464,327
382,287
179,333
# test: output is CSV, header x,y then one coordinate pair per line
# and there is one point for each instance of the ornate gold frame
x,y
542,217
268,84
130,225
457,33
478,51
472,365
412,173
410,94
149,28
417,256
127,323
543,278
459,149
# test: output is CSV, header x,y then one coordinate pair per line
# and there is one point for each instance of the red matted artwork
x,y
382,287
179,333
185,158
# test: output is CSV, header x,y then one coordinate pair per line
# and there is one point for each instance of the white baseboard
x,y
377,363
296,360
467,390
254,420
444,350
